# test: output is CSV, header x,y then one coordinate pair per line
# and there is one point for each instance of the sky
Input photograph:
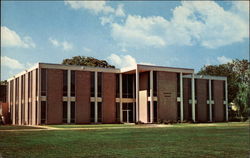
x,y
187,34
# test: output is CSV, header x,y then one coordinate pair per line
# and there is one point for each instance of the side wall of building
x,y
202,112
218,107
109,93
54,96
82,97
167,96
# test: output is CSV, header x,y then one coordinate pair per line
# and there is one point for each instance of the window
x,y
65,111
92,84
195,88
99,83
224,90
17,90
148,111
178,111
117,85
65,83
155,111
99,113
155,83
43,82
43,112
207,89
127,86
72,93
178,85
72,112
212,89
92,112
117,112
36,82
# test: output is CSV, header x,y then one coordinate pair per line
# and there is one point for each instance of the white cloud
x,y
10,38
193,23
96,7
64,45
120,11
122,60
223,59
11,63
106,20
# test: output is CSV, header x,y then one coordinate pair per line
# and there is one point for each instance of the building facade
x,y
65,94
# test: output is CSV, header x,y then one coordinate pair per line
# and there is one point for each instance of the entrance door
x,y
127,111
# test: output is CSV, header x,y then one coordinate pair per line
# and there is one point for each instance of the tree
x,y
238,77
87,61
236,72
242,100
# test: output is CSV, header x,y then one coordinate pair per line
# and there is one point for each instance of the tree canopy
x,y
238,77
87,61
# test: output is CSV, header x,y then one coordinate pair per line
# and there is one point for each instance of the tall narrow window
x,y
92,84
65,111
99,84
65,83
43,82
99,112
43,112
155,111
178,111
178,85
212,89
195,87
207,82
117,112
224,90
72,93
148,111
92,112
155,83
36,82
72,111
117,85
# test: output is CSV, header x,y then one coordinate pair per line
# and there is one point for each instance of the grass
x,y
11,127
92,126
183,140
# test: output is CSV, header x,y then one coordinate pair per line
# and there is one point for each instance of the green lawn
x,y
182,140
11,127
93,126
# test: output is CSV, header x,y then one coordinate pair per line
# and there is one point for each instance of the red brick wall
x,y
186,96
201,106
82,96
54,96
108,93
218,101
167,96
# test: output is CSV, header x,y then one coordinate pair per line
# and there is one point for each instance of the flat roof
x,y
132,69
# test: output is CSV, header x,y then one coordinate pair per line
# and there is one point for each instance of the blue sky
x,y
178,34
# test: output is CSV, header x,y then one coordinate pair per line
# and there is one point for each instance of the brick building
x,y
58,94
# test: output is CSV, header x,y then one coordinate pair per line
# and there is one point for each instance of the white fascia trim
x,y
207,77
24,72
76,67
167,69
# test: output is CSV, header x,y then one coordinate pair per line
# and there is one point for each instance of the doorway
x,y
128,112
